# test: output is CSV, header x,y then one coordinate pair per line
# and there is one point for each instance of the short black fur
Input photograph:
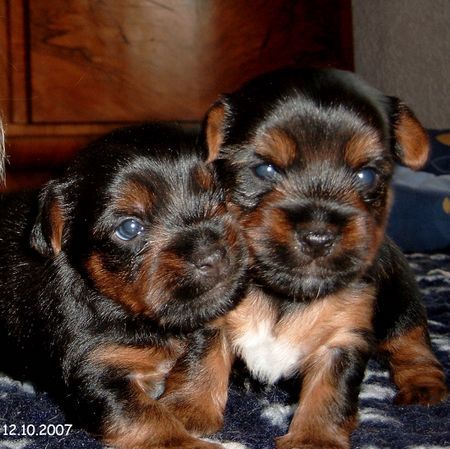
x,y
73,294
308,156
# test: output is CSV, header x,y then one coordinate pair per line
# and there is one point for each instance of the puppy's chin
x,y
191,293
298,279
183,313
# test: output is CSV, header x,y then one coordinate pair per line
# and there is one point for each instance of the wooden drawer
x,y
76,68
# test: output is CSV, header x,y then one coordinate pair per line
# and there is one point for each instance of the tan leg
x,y
196,390
326,415
149,425
414,368
133,417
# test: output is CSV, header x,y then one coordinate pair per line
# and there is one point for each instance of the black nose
x,y
316,243
210,261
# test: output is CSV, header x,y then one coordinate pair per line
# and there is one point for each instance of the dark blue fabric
x,y
420,216
439,161
254,419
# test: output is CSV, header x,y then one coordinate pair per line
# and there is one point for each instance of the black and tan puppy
x,y
110,278
308,156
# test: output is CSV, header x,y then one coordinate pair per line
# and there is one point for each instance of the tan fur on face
x,y
130,294
134,199
269,218
151,288
361,148
360,230
277,147
158,269
203,178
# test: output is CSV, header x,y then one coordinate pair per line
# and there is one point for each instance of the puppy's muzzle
x,y
318,229
209,257
211,261
316,242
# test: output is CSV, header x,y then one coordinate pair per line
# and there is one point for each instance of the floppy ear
x,y
214,128
47,233
412,146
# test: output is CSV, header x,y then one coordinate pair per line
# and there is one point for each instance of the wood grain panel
x,y
73,69
4,63
19,94
128,60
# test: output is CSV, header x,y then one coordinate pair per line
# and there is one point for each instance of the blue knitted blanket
x,y
255,417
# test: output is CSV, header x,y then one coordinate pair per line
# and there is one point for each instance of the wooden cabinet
x,y
72,69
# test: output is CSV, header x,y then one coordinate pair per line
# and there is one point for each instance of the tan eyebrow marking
x,y
277,146
361,148
134,197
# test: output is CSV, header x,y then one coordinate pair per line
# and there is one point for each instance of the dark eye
x,y
367,177
129,229
266,171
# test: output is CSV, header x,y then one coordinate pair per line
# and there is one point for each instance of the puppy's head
x,y
141,218
308,155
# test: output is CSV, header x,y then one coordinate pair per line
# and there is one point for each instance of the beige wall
x,y
402,47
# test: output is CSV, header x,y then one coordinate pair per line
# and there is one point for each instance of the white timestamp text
x,y
31,430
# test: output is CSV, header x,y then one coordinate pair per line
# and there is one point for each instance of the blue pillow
x,y
439,160
420,216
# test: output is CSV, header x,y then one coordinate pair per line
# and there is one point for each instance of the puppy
x,y
112,276
308,156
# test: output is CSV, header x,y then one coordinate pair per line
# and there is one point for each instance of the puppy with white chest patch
x,y
308,156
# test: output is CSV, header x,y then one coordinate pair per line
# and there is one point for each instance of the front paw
x,y
422,394
194,444
293,441
200,423
197,421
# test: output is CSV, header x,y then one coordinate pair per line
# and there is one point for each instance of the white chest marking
x,y
268,357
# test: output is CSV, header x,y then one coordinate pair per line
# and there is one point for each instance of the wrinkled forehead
x,y
306,129
148,182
